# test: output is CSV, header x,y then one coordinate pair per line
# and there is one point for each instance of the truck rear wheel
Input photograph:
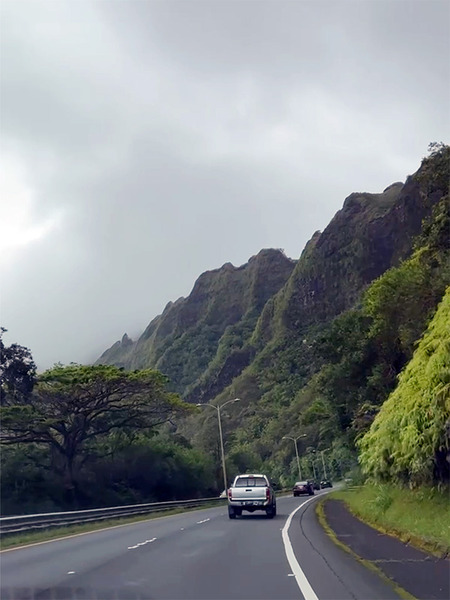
x,y
271,512
231,513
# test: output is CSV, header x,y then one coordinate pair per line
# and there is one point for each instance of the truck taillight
x,y
229,493
267,494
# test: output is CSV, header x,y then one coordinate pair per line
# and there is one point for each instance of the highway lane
x,y
201,555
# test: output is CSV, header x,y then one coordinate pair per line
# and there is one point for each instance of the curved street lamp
x,y
323,462
312,451
286,437
218,409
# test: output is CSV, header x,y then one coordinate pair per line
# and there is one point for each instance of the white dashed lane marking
x,y
142,544
152,540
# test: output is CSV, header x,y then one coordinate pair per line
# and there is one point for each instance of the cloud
x,y
20,225
155,140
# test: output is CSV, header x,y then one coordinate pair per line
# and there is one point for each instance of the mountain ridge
x,y
203,342
220,298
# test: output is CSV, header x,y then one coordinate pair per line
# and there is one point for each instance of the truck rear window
x,y
251,482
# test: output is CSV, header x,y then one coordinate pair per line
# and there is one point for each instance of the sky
x,y
145,142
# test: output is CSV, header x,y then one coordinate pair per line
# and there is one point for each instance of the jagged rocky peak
x,y
393,187
126,341
360,200
117,353
370,234
310,244
270,254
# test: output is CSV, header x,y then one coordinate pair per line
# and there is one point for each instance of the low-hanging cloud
x,y
161,139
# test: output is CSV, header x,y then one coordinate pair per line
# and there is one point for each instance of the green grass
x,y
420,517
33,537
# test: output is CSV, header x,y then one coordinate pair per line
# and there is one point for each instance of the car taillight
x,y
267,494
229,493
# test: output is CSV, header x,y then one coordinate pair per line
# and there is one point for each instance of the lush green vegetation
x,y
94,436
314,349
328,381
420,516
17,372
409,441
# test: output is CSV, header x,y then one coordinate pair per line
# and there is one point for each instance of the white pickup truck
x,y
251,492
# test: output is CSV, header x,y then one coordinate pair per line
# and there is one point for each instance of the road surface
x,y
200,555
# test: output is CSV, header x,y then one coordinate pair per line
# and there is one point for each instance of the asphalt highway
x,y
200,555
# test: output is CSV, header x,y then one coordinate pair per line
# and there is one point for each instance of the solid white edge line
x,y
300,577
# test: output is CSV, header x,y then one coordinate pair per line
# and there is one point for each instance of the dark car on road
x,y
303,487
315,484
325,483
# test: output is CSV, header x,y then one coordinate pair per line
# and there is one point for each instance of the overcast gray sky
x,y
144,142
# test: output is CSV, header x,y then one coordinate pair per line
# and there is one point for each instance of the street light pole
x,y
323,462
286,437
323,465
222,450
314,469
224,468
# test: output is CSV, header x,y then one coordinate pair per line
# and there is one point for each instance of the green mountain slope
x,y
321,352
224,303
329,382
328,379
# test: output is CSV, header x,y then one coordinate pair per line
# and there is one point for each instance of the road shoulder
x,y
414,573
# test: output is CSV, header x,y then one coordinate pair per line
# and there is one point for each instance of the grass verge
x,y
420,517
32,537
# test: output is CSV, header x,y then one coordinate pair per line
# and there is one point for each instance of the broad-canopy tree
x,y
73,406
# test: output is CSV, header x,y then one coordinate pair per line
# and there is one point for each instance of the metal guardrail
x,y
24,523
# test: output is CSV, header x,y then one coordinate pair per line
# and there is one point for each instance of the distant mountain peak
x,y
184,338
126,341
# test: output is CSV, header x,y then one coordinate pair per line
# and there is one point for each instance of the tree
x,y
17,372
73,406
434,172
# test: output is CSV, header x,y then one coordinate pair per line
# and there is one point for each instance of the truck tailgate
x,y
253,493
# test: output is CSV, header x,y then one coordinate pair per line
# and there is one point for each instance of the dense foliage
x,y
79,437
409,440
122,470
17,372
329,380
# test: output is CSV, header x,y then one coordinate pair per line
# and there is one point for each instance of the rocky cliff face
x,y
370,234
184,339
